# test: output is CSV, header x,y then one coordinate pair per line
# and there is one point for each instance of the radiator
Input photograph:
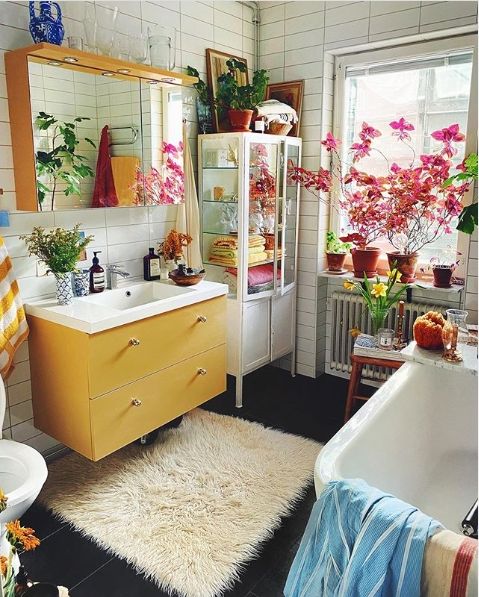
x,y
350,311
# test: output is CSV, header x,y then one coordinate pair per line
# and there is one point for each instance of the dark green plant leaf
x,y
468,219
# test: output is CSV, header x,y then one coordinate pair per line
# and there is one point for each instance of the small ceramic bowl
x,y
190,278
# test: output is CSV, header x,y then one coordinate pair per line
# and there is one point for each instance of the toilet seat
x,y
22,471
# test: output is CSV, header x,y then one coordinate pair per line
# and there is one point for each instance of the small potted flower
x,y
336,251
443,267
173,246
378,296
60,250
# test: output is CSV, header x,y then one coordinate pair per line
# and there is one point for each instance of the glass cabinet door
x,y
288,215
220,209
263,188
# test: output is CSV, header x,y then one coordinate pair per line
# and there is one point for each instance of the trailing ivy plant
x,y
240,97
200,86
62,162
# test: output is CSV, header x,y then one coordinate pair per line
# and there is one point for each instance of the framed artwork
x,y
290,93
216,66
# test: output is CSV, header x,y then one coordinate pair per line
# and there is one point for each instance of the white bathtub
x,y
416,438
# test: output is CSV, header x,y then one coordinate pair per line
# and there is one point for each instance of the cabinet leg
x,y
352,389
239,391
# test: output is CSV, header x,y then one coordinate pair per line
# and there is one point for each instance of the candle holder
x,y
398,342
449,340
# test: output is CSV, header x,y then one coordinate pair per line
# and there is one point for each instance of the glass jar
x,y
458,317
385,338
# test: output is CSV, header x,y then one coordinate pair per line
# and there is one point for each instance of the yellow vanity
x,y
112,367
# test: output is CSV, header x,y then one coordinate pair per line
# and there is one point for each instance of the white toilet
x,y
23,472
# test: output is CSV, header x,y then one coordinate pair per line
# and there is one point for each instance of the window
x,y
431,89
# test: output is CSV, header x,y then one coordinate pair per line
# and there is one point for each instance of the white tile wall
x,y
122,234
295,37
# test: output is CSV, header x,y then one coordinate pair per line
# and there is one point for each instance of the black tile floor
x,y
309,407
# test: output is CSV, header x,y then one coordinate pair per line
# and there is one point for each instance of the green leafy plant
x,y
59,249
468,219
200,86
335,245
62,162
230,95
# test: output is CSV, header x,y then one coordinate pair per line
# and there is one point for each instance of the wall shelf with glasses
x,y
262,222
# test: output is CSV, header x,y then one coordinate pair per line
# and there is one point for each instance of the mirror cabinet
x,y
89,130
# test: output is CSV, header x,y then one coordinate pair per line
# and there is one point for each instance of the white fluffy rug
x,y
189,510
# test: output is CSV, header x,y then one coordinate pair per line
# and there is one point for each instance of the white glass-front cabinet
x,y
249,240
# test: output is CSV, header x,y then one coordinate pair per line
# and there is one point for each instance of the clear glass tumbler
x,y
458,317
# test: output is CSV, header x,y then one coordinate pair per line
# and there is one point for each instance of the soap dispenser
x,y
151,265
97,275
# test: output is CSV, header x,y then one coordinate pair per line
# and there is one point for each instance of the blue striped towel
x,y
360,542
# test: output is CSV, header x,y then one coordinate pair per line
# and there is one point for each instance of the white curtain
x,y
188,215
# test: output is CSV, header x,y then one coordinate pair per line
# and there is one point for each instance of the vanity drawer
x,y
124,354
161,397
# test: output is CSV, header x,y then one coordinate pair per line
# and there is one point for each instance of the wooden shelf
x,y
94,63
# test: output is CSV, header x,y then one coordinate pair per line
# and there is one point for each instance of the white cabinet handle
x,y
134,342
202,319
201,371
135,402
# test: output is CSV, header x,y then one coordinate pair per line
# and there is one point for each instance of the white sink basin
x,y
135,296
112,308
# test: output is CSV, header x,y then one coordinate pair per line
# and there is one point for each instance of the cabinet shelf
x,y
265,262
220,167
220,201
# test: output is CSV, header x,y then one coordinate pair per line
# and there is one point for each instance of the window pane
x,y
431,96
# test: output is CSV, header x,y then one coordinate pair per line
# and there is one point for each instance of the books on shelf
x,y
367,346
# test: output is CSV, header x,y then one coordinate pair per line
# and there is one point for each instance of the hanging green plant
x,y
62,163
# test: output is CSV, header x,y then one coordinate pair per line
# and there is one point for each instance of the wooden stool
x,y
358,364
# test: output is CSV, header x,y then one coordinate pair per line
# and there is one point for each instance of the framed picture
x,y
290,93
216,66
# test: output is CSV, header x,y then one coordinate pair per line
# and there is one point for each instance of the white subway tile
x,y
303,39
118,235
273,13
305,22
270,30
345,31
382,8
304,56
271,61
296,9
196,10
347,13
401,20
447,11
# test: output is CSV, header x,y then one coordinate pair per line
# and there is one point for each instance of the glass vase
x,y
205,117
378,316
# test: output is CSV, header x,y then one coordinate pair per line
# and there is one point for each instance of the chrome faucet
x,y
113,270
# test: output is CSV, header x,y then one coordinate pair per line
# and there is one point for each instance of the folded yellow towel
x,y
13,324
254,240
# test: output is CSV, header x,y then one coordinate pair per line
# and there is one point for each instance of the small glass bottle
x,y
151,265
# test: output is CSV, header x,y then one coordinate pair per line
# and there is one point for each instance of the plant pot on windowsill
x,y
335,261
240,120
365,261
405,264
442,276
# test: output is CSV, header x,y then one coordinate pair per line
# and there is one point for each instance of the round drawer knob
x,y
201,371
134,342
135,402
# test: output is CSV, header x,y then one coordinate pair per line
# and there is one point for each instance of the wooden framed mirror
x,y
89,130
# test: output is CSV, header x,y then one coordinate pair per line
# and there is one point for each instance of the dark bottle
x,y
97,275
151,265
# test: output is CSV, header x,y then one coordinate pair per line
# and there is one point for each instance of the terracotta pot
x,y
240,120
365,261
442,276
406,265
335,261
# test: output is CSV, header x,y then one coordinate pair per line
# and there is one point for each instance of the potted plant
x,y
443,267
61,163
336,251
173,246
203,102
378,296
60,250
240,100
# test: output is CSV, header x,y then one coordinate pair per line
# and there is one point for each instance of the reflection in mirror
x,y
161,181
102,141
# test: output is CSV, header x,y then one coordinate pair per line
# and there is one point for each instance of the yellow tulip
x,y
349,285
379,290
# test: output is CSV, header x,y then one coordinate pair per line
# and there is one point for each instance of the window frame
x,y
404,51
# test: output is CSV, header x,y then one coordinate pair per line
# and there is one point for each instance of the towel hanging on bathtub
x,y
13,324
360,542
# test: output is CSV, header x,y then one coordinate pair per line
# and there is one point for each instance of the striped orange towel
x,y
13,324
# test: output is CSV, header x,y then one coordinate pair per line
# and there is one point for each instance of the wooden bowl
x,y
279,128
190,279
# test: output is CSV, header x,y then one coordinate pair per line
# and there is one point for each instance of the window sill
x,y
420,284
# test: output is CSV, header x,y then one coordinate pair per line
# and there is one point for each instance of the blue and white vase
x,y
64,288
81,283
44,26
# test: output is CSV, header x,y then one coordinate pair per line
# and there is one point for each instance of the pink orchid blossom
x,y
402,128
368,132
361,150
447,136
331,143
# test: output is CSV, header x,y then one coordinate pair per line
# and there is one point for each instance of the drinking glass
x,y
138,47
458,317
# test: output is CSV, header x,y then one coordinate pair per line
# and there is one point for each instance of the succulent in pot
x,y
240,100
336,252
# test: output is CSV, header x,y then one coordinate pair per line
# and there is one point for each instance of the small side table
x,y
358,363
